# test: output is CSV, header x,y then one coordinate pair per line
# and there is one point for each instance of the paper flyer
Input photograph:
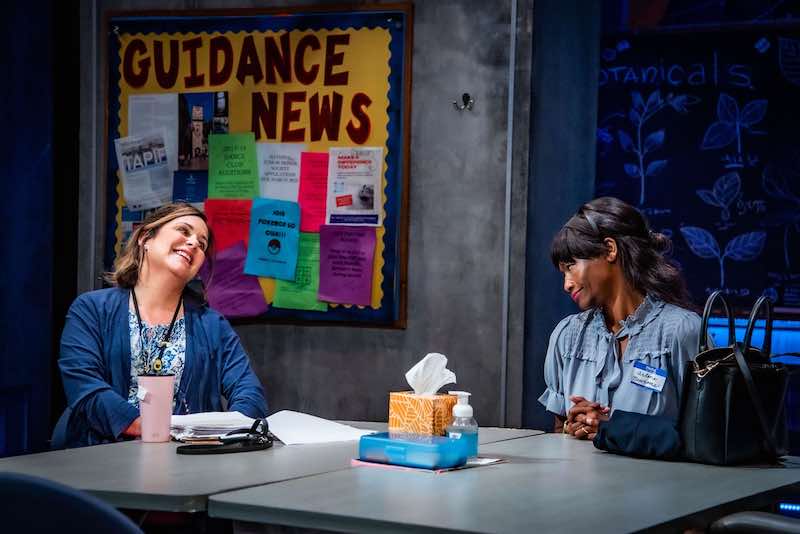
x,y
279,170
345,266
274,236
313,188
150,112
354,186
229,220
232,167
191,187
302,293
144,170
230,291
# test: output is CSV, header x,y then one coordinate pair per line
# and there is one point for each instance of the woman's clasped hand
x,y
584,417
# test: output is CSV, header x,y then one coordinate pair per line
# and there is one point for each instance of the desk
x,y
150,476
539,489
486,435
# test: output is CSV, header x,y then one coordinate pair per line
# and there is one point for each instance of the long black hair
x,y
642,253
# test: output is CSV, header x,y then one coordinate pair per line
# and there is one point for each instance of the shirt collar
x,y
645,313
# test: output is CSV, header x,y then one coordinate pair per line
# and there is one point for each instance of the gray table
x,y
150,476
552,483
485,435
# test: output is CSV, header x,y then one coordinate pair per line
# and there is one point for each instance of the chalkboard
x,y
700,132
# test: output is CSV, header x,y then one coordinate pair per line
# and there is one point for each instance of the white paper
x,y
279,170
355,186
153,112
144,170
294,428
141,393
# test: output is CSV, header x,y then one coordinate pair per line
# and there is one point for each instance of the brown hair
x,y
127,264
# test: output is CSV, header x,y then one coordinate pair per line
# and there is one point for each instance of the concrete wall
x,y
468,197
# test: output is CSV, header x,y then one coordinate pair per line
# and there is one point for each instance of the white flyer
x,y
144,170
355,177
279,170
150,112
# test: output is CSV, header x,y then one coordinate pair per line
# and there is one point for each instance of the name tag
x,y
648,377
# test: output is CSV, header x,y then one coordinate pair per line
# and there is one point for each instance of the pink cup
x,y
156,406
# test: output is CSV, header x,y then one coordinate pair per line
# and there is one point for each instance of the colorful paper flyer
x,y
189,186
354,194
232,167
313,189
345,266
231,292
229,220
279,170
144,170
302,293
274,236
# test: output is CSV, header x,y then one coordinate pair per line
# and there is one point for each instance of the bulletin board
x,y
305,98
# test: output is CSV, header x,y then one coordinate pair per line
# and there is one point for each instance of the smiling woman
x,y
628,347
151,323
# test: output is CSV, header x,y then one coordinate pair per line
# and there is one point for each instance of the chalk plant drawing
x,y
726,190
730,124
777,184
744,247
641,143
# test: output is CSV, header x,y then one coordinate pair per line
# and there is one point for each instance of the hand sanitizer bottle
x,y
464,426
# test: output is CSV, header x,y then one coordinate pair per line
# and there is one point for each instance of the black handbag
x,y
732,409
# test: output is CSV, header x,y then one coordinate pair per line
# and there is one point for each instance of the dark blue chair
x,y
33,504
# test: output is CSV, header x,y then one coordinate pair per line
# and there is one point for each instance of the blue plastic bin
x,y
412,450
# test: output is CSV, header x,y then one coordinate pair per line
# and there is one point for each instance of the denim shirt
x,y
583,358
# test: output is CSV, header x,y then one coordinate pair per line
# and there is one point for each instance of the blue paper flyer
x,y
274,236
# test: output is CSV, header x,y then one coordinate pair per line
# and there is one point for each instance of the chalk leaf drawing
x,y
731,122
744,247
726,190
641,143
789,59
777,180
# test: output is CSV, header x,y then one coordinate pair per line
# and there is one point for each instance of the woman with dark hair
x,y
150,322
630,344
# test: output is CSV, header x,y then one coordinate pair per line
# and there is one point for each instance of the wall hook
x,y
468,102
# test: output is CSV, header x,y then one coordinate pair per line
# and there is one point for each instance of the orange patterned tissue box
x,y
420,414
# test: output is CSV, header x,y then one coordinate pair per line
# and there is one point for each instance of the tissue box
x,y
420,414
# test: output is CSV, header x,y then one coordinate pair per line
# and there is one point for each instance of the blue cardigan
x,y
95,364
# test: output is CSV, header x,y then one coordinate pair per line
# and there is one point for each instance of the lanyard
x,y
157,363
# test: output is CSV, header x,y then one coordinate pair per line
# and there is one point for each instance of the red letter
x,y
166,78
135,79
321,119
248,62
305,76
291,115
359,134
194,79
332,59
265,114
220,76
278,61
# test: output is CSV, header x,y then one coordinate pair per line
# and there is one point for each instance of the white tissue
x,y
429,374
141,394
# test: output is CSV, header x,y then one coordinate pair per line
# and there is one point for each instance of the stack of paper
x,y
294,428
207,425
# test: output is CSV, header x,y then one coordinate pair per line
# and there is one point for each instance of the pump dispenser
x,y
464,427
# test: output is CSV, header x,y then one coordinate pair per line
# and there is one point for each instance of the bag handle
x,y
751,324
716,295
772,447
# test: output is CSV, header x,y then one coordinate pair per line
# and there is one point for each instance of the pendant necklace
x,y
163,344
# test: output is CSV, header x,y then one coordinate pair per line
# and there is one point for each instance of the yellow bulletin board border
x,y
389,308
